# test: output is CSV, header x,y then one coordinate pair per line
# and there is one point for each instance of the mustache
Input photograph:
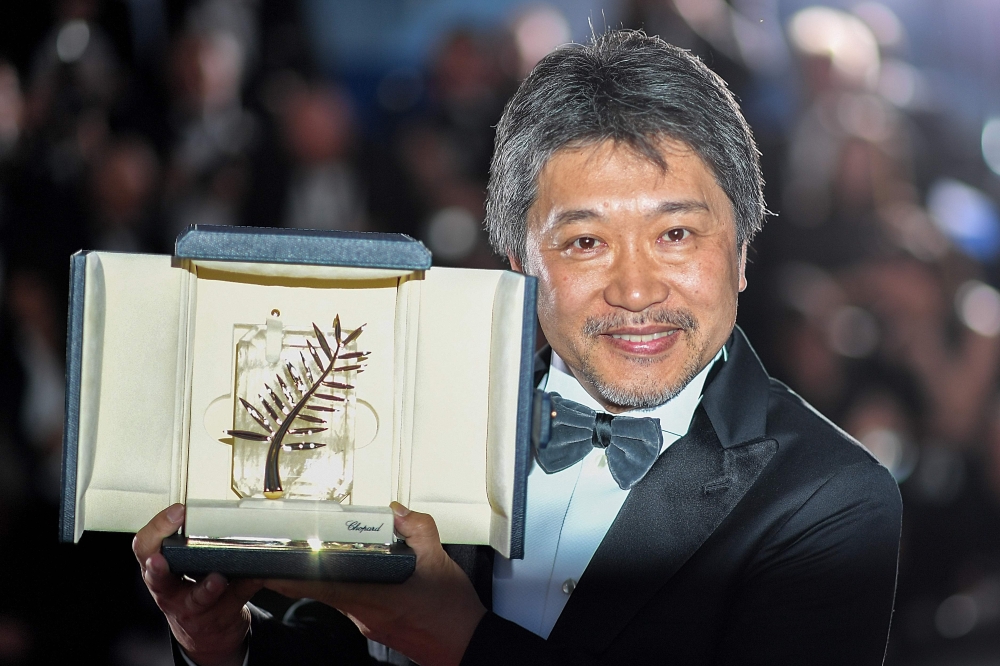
x,y
681,318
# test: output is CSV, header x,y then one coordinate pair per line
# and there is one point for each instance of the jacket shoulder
x,y
820,480
814,445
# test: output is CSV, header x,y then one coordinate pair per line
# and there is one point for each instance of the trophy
x,y
300,425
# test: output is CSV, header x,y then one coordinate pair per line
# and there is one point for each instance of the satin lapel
x,y
667,516
543,358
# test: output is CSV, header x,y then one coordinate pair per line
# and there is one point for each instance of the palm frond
x,y
353,336
285,390
301,446
305,368
246,434
315,355
269,409
277,400
256,416
323,343
338,385
319,408
305,431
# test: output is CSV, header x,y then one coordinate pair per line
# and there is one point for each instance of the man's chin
x,y
649,380
644,388
637,397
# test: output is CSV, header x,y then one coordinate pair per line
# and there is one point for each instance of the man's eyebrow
x,y
669,207
680,206
576,215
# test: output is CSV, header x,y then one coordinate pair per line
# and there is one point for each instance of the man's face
x,y
638,268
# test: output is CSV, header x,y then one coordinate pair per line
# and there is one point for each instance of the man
x,y
627,181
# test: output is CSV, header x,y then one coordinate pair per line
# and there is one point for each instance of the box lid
x,y
302,246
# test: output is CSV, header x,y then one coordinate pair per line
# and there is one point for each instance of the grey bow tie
x,y
565,431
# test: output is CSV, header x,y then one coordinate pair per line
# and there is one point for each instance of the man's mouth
x,y
629,337
638,342
646,335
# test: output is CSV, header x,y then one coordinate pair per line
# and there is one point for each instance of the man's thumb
x,y
417,528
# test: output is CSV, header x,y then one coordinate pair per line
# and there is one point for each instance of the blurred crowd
x,y
872,288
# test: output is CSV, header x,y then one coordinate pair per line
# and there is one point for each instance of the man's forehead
x,y
576,176
657,150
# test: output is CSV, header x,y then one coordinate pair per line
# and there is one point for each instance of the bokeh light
x,y
537,32
72,41
965,215
991,144
978,307
845,39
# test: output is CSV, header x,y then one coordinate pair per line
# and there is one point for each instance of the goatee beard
x,y
627,391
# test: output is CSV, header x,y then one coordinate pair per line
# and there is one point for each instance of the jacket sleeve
x,y
821,591
500,642
310,634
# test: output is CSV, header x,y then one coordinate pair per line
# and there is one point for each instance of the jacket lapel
x,y
668,515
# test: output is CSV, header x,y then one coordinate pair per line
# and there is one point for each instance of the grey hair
x,y
633,89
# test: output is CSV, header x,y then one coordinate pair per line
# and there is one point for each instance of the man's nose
x,y
635,282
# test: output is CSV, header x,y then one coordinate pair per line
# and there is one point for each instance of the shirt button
x,y
568,586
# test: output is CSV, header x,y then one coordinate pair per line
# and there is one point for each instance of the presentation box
x,y
286,386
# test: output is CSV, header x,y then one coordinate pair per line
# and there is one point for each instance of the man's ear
x,y
743,266
515,265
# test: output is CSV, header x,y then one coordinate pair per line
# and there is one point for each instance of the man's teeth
x,y
642,338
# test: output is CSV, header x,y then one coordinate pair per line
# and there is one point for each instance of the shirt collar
x,y
675,415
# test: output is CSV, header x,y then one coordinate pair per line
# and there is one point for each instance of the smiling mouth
x,y
627,337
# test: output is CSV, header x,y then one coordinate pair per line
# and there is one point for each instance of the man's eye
x,y
676,235
585,243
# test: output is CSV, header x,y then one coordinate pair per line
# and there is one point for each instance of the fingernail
x,y
399,509
176,513
152,566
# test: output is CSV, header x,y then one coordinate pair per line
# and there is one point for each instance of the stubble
x,y
642,388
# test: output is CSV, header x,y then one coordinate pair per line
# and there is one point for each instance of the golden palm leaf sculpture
x,y
302,392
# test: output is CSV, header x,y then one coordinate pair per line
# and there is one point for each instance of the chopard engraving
x,y
358,526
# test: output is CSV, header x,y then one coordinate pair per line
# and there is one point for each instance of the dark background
x,y
872,287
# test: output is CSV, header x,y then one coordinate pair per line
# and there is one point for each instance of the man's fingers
x,y
147,541
156,574
208,591
419,530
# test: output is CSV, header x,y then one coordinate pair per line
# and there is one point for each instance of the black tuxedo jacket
x,y
766,535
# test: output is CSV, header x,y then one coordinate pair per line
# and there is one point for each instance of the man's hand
x,y
209,618
430,618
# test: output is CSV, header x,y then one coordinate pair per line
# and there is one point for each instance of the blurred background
x,y
873,288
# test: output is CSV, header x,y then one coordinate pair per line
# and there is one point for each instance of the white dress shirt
x,y
569,512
